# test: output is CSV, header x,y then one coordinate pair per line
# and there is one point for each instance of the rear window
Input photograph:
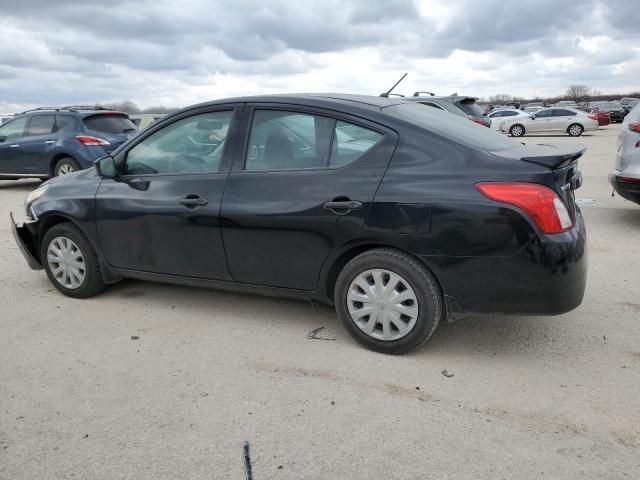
x,y
453,127
109,123
470,107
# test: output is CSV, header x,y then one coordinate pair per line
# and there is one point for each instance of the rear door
x,y
562,118
302,185
39,144
11,136
540,122
162,214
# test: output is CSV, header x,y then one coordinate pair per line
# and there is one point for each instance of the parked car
x,y
626,176
143,120
47,142
515,105
498,116
397,214
616,111
5,117
531,110
602,116
457,104
628,102
552,120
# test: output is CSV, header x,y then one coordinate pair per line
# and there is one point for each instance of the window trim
x,y
121,154
240,166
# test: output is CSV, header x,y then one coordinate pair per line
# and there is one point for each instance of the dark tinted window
x,y
109,123
544,113
62,121
470,107
350,142
456,128
191,145
561,112
41,125
509,113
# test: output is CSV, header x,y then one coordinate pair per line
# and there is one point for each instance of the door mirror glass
x,y
106,167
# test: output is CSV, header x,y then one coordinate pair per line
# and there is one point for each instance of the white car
x,y
552,120
498,116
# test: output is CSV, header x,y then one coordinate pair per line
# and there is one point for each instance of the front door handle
x,y
342,207
193,201
49,142
15,145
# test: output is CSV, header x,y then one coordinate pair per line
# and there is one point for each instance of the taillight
x,y
593,116
634,127
541,203
629,179
89,140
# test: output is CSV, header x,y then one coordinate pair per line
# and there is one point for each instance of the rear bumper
x,y
24,237
547,277
628,190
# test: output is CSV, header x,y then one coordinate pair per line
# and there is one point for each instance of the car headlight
x,y
35,195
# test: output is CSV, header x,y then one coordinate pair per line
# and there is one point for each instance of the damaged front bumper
x,y
25,236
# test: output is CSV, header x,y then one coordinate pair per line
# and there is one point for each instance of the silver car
x,y
626,176
552,120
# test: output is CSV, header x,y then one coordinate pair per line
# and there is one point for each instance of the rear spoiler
x,y
552,156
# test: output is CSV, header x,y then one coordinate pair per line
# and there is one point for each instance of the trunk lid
x,y
561,159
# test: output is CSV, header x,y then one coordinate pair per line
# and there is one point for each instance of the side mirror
x,y
2,138
533,117
106,167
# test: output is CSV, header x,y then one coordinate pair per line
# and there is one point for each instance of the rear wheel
x,y
65,165
575,130
71,262
516,130
388,301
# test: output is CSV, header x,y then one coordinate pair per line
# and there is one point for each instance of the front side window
x,y
509,114
191,145
281,140
41,125
13,129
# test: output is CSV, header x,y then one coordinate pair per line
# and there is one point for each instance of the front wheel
x,y
575,130
516,131
388,301
71,262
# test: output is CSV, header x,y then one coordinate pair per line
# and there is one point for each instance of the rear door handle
x,y
193,201
49,142
342,207
15,145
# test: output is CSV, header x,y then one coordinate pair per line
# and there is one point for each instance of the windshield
x,y
450,126
110,123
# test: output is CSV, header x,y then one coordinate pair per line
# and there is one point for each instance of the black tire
x,y
93,282
65,163
420,279
517,132
575,130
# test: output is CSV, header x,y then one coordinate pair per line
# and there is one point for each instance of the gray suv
x,y
457,104
626,176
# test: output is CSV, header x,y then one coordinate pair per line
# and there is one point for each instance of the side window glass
x,y
563,113
432,105
351,142
13,129
62,121
509,114
191,145
544,113
41,125
281,140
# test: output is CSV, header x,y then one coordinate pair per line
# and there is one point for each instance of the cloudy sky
x,y
174,53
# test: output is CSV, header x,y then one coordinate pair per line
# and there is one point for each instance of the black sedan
x,y
398,214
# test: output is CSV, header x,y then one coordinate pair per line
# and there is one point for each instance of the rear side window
x,y
41,125
109,123
560,112
281,140
434,105
544,113
470,107
62,121
454,127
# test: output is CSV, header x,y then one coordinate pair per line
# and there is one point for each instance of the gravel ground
x,y
534,397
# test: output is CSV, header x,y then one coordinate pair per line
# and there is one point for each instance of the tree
x,y
500,98
127,106
579,93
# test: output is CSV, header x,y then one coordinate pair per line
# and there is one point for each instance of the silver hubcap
x,y
65,169
382,304
517,131
66,262
574,130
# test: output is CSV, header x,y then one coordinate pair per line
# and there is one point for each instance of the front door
x,y
11,135
162,213
541,122
302,186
